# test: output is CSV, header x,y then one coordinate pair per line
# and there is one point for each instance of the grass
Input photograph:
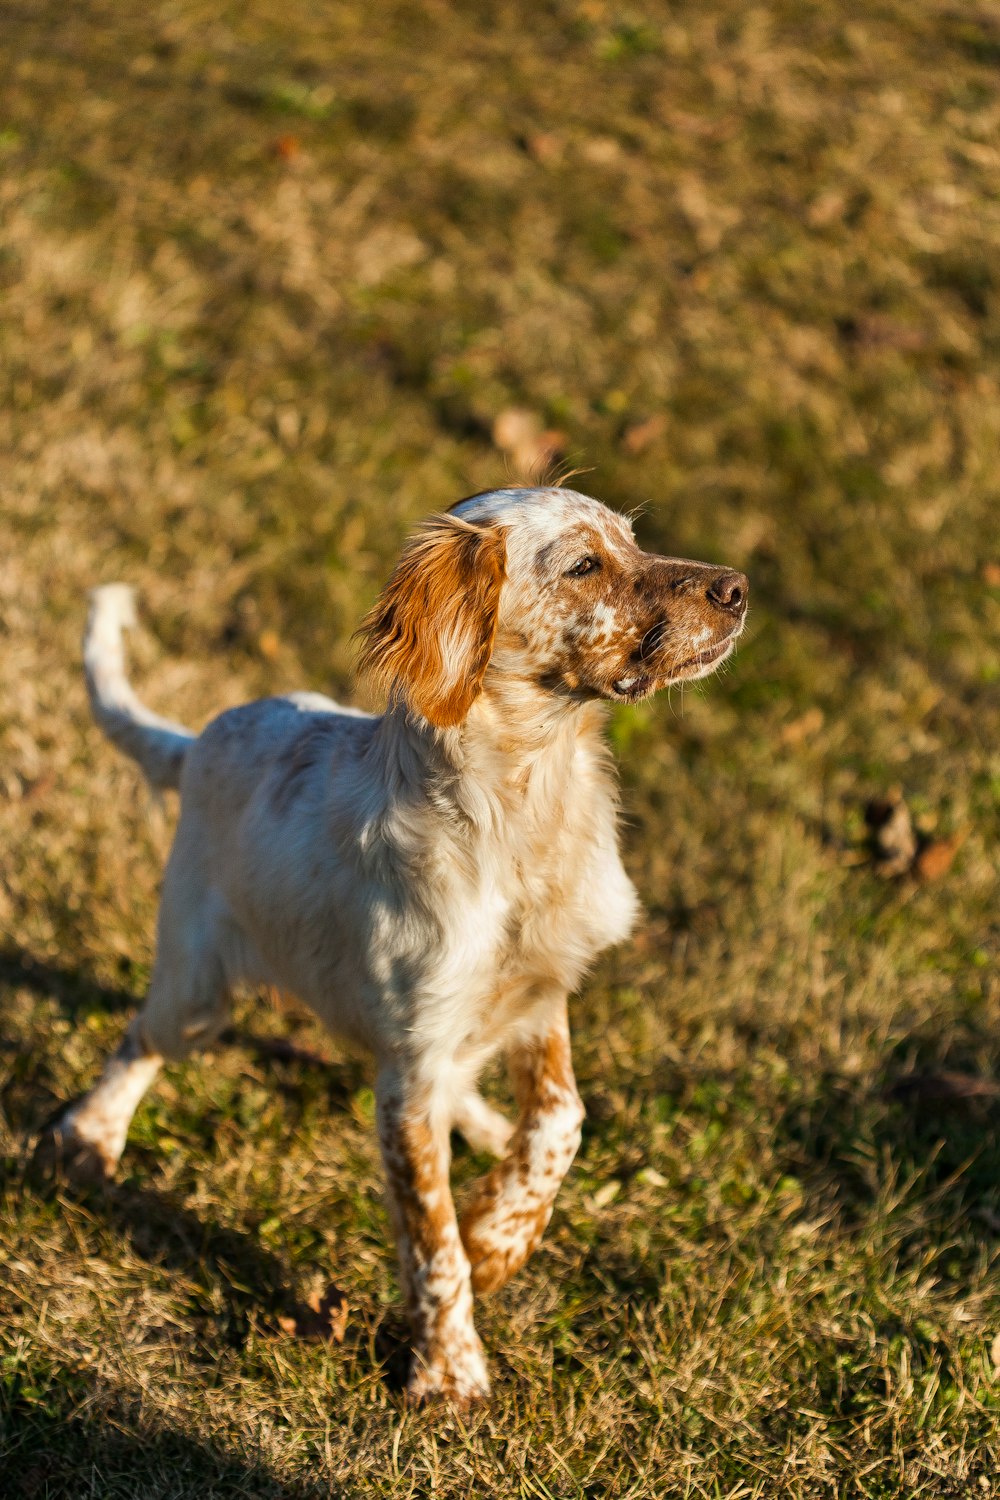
x,y
269,277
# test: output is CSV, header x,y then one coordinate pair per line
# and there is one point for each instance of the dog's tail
x,y
158,745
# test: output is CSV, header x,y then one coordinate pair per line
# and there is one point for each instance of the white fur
x,y
157,744
433,894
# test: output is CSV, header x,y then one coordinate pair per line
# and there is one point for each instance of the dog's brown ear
x,y
429,636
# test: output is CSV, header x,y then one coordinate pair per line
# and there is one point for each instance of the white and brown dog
x,y
433,882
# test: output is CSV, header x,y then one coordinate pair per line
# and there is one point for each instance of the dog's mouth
x,y
634,686
704,661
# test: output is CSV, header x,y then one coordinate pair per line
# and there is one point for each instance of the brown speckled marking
x,y
432,880
429,636
512,1204
448,1358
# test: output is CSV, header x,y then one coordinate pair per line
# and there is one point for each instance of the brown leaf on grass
x,y
896,847
286,147
544,145
319,1317
513,426
991,574
936,857
642,436
826,208
803,728
518,433
701,126
894,842
877,331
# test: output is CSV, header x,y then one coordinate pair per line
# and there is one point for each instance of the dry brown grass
x,y
269,277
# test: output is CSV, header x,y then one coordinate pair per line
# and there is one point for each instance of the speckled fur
x,y
435,881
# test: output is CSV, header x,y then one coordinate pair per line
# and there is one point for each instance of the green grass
x,y
268,277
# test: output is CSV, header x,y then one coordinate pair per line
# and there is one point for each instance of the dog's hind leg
x,y
186,1006
89,1137
483,1127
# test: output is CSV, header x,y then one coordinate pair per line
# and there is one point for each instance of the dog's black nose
x,y
729,591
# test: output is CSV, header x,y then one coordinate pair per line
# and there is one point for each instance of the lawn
x,y
276,282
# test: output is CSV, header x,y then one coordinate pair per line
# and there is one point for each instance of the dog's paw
x,y
482,1127
61,1152
458,1382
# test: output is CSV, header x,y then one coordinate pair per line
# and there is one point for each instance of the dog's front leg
x,y
512,1204
413,1133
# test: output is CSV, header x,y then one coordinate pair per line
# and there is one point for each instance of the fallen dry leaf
x,y
544,146
601,149
39,786
700,125
876,331
936,858
991,574
803,728
519,433
640,437
286,147
825,209
513,426
319,1317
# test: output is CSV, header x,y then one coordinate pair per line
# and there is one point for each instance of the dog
x,y
433,881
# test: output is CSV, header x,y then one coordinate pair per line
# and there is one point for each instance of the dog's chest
x,y
552,892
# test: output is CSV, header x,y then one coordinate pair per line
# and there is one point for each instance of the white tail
x,y
158,745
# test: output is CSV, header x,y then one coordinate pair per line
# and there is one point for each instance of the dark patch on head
x,y
544,553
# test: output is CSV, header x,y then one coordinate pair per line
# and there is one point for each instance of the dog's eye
x,y
584,565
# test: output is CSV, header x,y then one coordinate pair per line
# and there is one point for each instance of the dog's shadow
x,y
289,1064
71,1429
234,1280
234,1283
72,988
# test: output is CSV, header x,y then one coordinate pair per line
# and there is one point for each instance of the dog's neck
x,y
514,757
520,754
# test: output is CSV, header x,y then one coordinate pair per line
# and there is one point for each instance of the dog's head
x,y
551,587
